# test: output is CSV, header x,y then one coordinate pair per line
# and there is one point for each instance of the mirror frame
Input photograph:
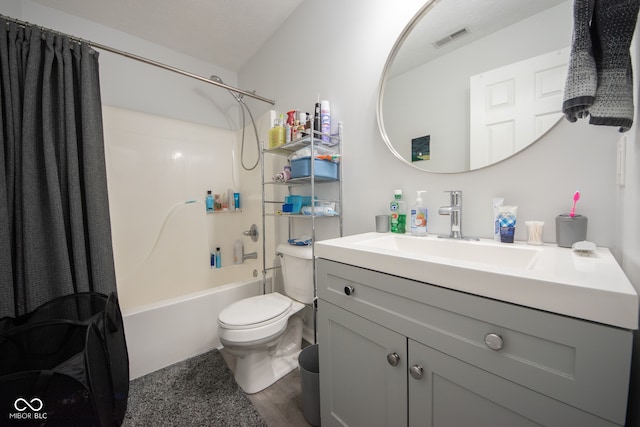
x,y
415,20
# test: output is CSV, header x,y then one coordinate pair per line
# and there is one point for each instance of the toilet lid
x,y
253,310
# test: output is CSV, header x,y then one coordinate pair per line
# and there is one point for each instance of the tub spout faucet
x,y
250,255
454,210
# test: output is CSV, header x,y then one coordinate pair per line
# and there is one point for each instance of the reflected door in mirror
x,y
514,105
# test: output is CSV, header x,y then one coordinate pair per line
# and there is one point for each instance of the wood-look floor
x,y
280,405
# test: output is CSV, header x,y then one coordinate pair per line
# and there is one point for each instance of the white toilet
x,y
264,332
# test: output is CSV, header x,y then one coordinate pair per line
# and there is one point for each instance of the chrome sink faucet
x,y
454,210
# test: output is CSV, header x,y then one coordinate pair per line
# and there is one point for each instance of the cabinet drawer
x,y
577,362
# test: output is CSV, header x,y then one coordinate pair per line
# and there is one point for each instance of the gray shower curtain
x,y
55,233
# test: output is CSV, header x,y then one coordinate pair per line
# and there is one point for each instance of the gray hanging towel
x,y
582,77
612,27
606,93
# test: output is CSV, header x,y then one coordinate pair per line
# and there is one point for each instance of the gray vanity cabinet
x,y
357,389
397,352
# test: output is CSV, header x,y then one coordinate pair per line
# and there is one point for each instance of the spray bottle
x,y
398,213
325,121
419,216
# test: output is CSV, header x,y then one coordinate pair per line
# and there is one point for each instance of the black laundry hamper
x,y
65,364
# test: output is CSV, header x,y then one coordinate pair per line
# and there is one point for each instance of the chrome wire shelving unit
x,y
310,184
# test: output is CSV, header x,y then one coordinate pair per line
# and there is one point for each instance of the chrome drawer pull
x,y
393,359
493,341
349,290
416,371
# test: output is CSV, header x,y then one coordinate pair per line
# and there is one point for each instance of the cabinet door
x,y
362,383
450,392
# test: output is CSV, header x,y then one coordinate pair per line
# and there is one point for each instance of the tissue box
x,y
323,169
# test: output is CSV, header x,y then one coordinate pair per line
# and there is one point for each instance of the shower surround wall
x,y
159,170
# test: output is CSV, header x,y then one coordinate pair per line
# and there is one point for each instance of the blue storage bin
x,y
323,169
295,202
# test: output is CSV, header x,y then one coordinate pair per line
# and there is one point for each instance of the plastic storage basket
x,y
323,169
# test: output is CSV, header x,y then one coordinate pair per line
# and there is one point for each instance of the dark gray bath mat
x,y
200,391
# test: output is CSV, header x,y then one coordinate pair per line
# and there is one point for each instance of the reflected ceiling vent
x,y
451,37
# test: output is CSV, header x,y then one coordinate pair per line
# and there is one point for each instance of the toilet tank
x,y
297,272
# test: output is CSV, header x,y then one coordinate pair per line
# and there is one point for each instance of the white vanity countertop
x,y
559,280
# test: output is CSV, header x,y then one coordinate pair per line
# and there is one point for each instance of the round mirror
x,y
472,82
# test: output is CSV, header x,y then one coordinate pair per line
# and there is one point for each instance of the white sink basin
x,y
546,277
459,250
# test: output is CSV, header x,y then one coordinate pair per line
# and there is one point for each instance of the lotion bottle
x,y
419,216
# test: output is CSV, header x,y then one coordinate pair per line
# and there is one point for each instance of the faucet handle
x,y
456,197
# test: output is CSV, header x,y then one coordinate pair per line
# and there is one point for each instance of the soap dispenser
x,y
419,216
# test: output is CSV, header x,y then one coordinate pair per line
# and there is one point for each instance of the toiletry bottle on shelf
x,y
212,259
277,133
218,258
209,201
230,204
398,213
307,123
273,135
497,202
317,124
237,252
236,201
419,216
287,133
292,127
325,120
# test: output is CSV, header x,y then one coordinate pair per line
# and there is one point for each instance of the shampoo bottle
x,y
398,213
209,201
218,258
419,216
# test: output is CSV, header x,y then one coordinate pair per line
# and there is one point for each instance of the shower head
x,y
217,79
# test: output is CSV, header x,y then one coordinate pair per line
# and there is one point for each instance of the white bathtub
x,y
175,329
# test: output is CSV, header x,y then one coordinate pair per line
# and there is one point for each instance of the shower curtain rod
x,y
143,59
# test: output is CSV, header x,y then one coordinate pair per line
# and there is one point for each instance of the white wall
x,y
353,39
137,86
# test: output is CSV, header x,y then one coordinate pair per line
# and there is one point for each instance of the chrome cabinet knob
x,y
349,290
416,371
493,341
393,359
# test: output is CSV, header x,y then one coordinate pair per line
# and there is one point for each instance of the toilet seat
x,y
256,320
255,311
